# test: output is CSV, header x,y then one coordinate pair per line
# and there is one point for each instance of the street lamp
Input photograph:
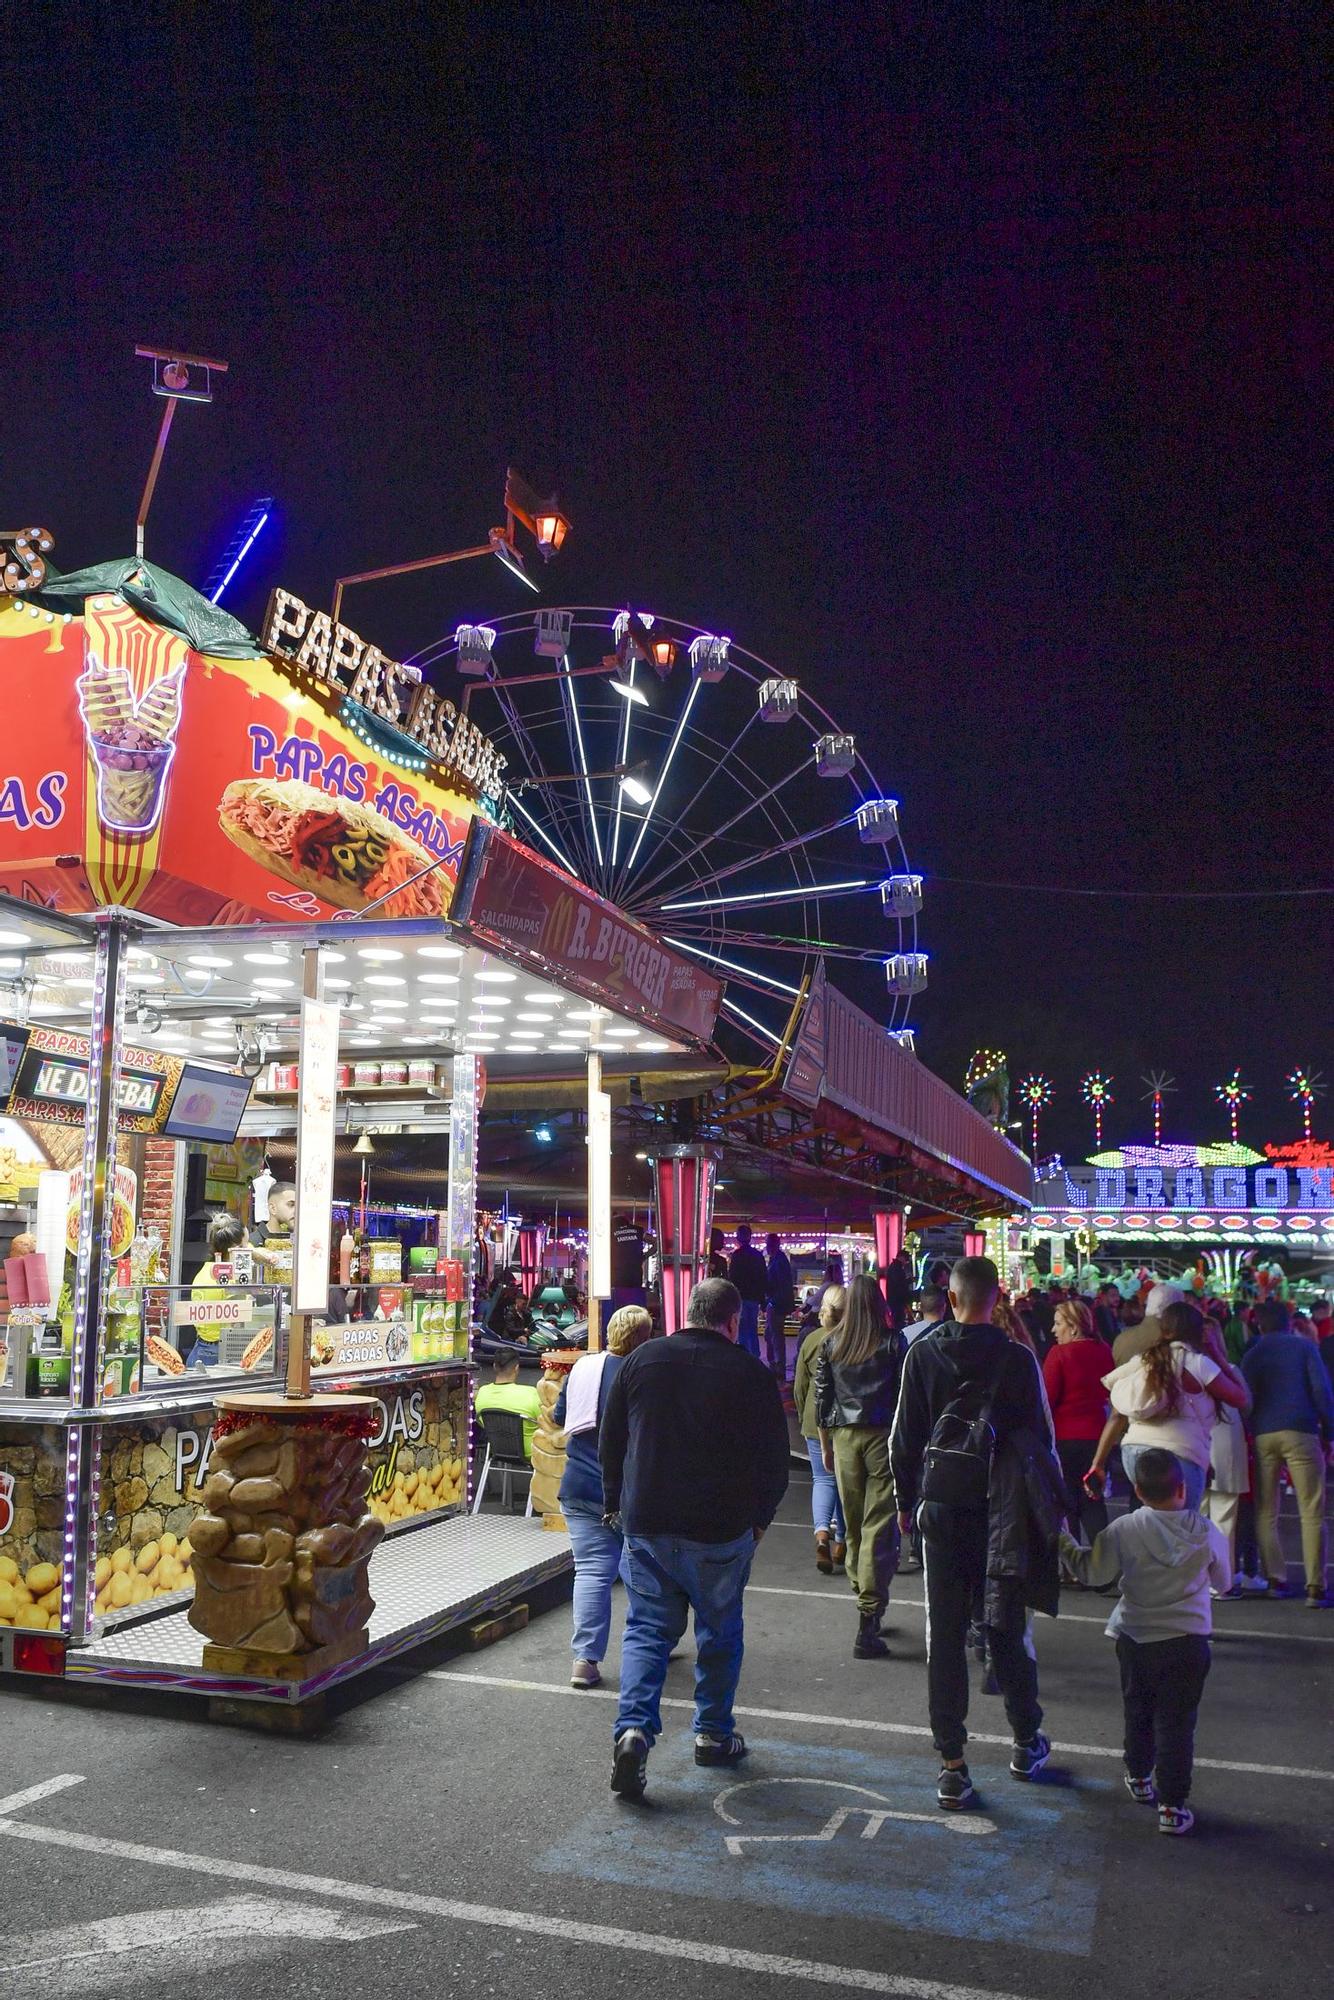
x,y
544,520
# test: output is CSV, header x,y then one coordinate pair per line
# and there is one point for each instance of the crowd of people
x,y
981,1436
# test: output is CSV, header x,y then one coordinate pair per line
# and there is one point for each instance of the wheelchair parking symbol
x,y
814,1828
732,1811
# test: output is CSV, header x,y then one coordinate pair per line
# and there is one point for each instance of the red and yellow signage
x,y
512,898
201,790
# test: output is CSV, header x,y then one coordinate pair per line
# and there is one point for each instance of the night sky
x,y
976,371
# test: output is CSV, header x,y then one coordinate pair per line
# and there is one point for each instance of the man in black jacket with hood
x,y
973,1369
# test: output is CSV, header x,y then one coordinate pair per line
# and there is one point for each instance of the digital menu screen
x,y
209,1105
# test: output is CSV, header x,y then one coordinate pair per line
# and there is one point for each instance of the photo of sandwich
x,y
343,851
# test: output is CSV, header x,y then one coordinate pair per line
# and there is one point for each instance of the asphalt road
x,y
452,1832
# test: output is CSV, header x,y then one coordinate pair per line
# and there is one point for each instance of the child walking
x,y
1166,1556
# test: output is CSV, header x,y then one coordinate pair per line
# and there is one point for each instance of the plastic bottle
x,y
347,1248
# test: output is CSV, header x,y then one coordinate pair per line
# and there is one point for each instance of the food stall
x,y
206,840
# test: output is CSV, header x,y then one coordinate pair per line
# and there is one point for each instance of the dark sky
x,y
975,368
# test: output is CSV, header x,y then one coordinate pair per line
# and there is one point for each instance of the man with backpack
x,y
973,1466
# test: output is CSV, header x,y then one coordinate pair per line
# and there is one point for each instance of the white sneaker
x,y
1254,1586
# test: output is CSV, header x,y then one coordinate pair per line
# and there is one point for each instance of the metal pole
x,y
147,501
297,1387
594,1195
402,569
93,1261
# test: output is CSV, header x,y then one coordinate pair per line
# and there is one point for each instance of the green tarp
x,y
158,596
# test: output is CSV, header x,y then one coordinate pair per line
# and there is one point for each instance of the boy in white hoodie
x,y
1166,1557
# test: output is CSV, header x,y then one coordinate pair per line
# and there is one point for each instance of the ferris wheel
x,y
703,791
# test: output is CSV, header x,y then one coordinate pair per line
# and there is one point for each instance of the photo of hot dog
x,y
256,1349
340,849
163,1355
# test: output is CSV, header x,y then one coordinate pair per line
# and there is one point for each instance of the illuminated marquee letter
x,y
1149,1188
1315,1187
286,619
1271,1187
1109,1187
1229,1187
1189,1188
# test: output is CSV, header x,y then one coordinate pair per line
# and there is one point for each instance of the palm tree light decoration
x,y
1098,1092
1305,1086
1035,1091
1160,1085
1234,1093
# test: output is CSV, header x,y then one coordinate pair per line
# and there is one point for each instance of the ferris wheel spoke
x,y
760,898
743,972
756,1027
544,836
622,757
666,766
752,805
714,773
771,853
576,734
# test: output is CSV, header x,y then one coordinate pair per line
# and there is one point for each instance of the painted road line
x,y
530,1923
45,1790
177,1930
860,1722
1065,1618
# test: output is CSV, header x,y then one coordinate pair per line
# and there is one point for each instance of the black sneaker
x,y
629,1767
1027,1759
954,1789
720,1749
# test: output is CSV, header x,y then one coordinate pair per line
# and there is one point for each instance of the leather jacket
x,y
863,1397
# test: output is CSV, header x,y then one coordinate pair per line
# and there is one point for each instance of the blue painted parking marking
x,y
814,1829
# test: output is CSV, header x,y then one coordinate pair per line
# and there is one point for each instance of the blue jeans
x,y
748,1334
204,1354
666,1577
826,1507
1192,1474
597,1561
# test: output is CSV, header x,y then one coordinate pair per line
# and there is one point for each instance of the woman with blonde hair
x,y
597,1548
826,1507
1073,1374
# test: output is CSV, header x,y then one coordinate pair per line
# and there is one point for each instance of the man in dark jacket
x,y
694,1452
780,1297
973,1368
750,1274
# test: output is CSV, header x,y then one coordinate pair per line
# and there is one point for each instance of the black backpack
x,y
956,1467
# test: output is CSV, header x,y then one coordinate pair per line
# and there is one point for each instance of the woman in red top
x,y
1073,1373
